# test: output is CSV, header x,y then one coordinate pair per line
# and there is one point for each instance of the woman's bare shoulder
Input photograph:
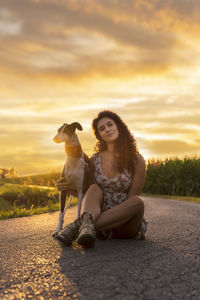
x,y
140,161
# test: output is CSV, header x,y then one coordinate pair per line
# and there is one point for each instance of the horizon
x,y
64,62
149,160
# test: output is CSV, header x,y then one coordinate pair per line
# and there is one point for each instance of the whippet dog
x,y
76,170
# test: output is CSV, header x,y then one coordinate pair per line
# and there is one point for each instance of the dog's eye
x,y
67,131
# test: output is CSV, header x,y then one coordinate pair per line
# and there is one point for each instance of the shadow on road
x,y
125,269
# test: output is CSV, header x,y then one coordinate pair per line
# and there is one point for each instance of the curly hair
x,y
126,152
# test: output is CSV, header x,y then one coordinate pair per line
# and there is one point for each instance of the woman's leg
x,y
128,229
127,215
90,211
124,218
92,201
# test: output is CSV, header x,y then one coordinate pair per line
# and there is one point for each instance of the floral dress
x,y
115,191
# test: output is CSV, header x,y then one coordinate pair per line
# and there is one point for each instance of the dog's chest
x,y
74,172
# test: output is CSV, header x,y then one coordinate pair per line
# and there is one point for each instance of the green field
x,y
19,200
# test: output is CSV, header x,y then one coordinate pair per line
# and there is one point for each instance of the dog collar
x,y
85,165
74,151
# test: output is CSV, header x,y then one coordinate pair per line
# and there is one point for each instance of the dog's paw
x,y
55,233
58,229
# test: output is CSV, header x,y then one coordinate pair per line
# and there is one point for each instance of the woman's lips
x,y
110,134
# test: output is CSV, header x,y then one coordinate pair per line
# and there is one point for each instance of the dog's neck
x,y
73,151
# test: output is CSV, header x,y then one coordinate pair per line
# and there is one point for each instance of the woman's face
x,y
108,130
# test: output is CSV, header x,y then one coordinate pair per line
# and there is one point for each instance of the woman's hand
x,y
62,185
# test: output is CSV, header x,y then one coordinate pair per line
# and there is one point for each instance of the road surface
x,y
164,266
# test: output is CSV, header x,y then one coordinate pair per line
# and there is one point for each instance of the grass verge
x,y
180,198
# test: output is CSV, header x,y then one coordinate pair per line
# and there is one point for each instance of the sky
x,y
65,61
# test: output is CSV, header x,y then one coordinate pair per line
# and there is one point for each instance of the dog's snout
x,y
55,139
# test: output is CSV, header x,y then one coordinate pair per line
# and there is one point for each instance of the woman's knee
x,y
94,193
141,204
137,204
92,201
94,188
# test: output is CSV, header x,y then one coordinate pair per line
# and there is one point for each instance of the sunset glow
x,y
64,61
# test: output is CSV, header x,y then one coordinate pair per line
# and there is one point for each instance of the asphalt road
x,y
164,266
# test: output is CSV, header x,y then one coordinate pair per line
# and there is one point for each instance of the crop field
x,y
174,176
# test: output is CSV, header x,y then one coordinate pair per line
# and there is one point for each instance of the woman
x,y
111,207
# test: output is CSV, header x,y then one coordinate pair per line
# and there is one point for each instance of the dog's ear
x,y
71,128
76,125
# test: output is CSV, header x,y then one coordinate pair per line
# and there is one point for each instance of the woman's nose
x,y
107,129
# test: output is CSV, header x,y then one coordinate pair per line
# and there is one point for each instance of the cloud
x,y
62,61
165,148
66,42
72,15
9,28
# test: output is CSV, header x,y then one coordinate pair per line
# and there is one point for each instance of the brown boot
x,y
69,233
87,234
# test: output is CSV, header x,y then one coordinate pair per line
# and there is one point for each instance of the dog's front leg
x,y
62,198
80,198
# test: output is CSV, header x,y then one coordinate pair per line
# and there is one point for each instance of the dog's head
x,y
66,132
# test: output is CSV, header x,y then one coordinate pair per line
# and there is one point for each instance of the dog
x,y
77,169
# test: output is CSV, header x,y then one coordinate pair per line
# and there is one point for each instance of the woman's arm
x,y
138,178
